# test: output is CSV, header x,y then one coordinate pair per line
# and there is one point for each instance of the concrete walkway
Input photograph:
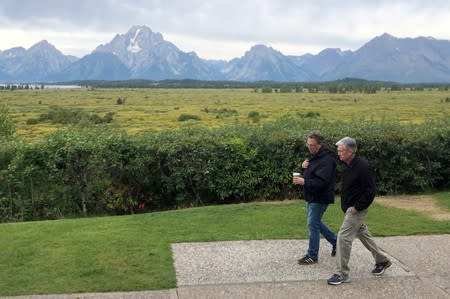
x,y
269,269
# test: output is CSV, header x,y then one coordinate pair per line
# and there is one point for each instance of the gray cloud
x,y
301,24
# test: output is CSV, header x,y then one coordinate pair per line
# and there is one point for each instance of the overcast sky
x,y
221,29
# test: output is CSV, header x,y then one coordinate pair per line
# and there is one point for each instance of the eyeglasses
x,y
311,145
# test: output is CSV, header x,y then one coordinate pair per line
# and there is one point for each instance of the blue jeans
x,y
317,227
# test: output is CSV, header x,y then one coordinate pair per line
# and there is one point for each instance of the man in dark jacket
x,y
357,194
319,171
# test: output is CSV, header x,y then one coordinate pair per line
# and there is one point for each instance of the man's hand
x,y
305,164
297,180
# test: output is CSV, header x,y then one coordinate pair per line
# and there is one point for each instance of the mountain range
x,y
143,54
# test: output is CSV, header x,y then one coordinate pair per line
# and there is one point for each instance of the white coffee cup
x,y
296,174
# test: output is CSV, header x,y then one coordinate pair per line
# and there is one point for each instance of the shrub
x,y
7,128
311,114
32,121
254,116
76,171
185,117
59,115
222,112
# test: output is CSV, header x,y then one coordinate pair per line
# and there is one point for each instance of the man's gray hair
x,y
349,143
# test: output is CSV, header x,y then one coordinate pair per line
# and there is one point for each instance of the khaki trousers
x,y
353,226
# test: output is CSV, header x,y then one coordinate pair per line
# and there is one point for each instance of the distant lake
x,y
62,86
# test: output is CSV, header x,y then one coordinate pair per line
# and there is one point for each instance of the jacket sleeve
x,y
368,188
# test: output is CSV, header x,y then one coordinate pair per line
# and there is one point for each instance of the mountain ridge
x,y
141,53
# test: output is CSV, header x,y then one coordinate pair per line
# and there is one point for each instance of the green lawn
x,y
443,199
131,253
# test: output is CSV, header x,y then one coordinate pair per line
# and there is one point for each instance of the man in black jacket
x,y
357,194
319,171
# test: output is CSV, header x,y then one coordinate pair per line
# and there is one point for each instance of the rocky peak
x,y
142,37
43,47
261,51
12,53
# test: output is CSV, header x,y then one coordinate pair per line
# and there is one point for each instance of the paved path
x,y
268,269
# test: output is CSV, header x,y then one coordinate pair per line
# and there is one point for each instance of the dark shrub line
x,y
76,172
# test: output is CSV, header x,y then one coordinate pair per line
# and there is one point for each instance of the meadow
x,y
135,110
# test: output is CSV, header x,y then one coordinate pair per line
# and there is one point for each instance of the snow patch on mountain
x,y
134,46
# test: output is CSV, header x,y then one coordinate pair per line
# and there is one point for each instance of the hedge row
x,y
75,172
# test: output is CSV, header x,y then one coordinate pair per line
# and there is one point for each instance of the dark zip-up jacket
x,y
358,185
320,176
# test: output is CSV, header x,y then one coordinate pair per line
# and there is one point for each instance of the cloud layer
x,y
221,29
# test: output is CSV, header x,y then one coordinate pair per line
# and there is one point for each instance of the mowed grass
x,y
443,200
131,253
157,109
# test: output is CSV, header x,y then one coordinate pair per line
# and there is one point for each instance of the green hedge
x,y
75,172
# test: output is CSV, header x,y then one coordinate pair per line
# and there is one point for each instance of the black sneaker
x,y
333,251
380,268
307,260
337,279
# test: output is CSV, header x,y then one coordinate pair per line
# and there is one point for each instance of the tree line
x,y
338,86
20,86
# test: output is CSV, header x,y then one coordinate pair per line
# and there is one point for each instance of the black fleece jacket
x,y
358,185
320,176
